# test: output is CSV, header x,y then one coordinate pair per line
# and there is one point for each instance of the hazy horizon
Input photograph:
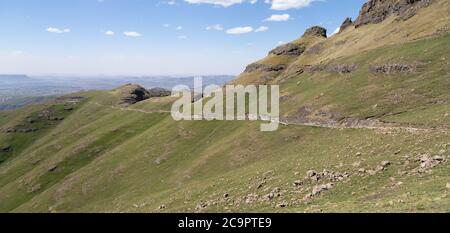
x,y
176,37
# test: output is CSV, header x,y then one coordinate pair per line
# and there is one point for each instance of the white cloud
x,y
110,33
279,18
132,34
224,3
179,28
239,30
289,4
216,27
182,37
57,30
262,29
166,25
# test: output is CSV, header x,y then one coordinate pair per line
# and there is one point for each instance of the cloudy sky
x,y
154,37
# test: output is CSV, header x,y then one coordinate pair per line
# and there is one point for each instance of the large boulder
x,y
375,11
316,31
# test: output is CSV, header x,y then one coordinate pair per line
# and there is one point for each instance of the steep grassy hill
x,y
377,93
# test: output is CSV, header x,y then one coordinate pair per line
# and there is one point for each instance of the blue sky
x,y
146,37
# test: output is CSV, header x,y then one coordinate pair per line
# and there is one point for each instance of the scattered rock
x,y
25,130
385,163
161,207
447,186
250,198
298,183
382,166
56,118
332,68
310,173
326,174
320,188
201,206
282,204
372,172
269,196
276,190
393,68
34,188
53,168
260,184
427,162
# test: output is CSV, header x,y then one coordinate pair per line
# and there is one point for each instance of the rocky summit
x,y
316,31
133,93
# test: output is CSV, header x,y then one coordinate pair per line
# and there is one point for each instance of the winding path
x,y
286,122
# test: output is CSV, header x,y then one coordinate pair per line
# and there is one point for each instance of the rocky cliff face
x,y
289,49
292,50
375,11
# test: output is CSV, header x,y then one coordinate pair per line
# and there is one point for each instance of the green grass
x,y
364,94
19,141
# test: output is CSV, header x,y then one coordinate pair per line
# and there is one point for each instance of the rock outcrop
x,y
375,11
347,23
5,149
316,31
289,49
159,92
133,93
393,68
264,68
332,68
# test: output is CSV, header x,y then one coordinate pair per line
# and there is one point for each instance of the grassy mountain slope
x,y
100,156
